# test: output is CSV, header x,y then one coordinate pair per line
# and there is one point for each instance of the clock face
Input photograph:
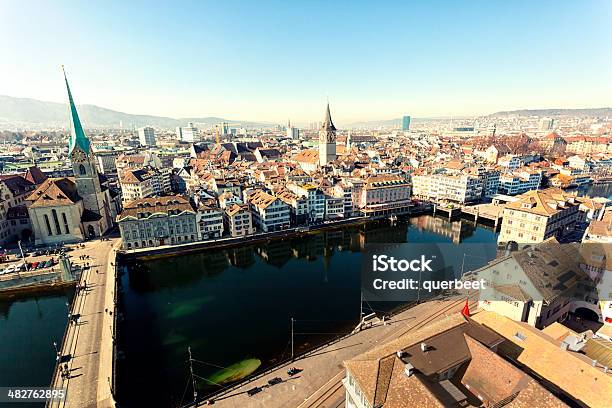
x,y
327,136
78,155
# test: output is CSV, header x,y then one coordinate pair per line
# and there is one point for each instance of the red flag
x,y
466,309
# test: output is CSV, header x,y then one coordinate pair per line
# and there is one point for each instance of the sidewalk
x,y
89,341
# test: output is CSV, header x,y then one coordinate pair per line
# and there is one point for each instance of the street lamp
x,y
22,256
57,353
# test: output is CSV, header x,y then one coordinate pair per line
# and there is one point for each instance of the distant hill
x,y
591,112
35,114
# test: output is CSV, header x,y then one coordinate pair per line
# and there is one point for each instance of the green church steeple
x,y
77,135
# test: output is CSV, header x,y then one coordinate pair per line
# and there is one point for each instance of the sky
x,y
279,60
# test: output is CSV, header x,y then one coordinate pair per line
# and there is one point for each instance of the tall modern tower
x,y
146,136
327,140
406,123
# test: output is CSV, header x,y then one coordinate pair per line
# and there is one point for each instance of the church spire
x,y
77,135
327,123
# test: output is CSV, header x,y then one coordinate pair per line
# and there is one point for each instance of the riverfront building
x,y
384,195
270,213
239,220
519,181
461,189
538,215
155,221
209,219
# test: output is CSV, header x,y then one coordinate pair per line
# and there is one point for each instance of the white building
x,y
144,182
209,220
461,189
188,133
269,213
315,199
520,181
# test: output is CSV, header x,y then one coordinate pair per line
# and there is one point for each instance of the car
x,y
275,380
9,269
40,265
34,265
20,267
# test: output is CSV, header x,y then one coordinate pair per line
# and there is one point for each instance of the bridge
x,y
85,357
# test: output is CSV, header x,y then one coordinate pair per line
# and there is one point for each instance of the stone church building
x,y
72,209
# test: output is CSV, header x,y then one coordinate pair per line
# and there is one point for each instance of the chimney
x,y
408,369
424,347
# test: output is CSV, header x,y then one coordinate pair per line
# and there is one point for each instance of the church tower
x,y
84,167
327,140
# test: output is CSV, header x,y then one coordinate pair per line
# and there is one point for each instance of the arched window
x,y
48,225
56,222
65,223
82,170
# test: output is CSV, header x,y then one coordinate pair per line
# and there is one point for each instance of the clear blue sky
x,y
273,60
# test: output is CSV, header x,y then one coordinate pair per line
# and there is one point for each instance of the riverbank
x,y
231,242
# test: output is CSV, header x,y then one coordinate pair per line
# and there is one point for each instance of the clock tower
x,y
327,140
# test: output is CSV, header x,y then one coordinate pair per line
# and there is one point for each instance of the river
x,y
233,307
29,324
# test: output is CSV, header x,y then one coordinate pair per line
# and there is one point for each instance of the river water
x,y
28,327
233,307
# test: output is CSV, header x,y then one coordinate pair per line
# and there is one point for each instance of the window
x,y
82,170
56,222
66,229
48,225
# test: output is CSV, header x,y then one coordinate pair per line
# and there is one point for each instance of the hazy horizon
x,y
275,61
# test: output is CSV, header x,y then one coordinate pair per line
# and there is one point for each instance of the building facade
x,y
155,221
538,215
146,136
239,220
443,187
270,213
384,195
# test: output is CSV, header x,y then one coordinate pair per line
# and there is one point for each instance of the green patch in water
x,y
187,308
235,372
